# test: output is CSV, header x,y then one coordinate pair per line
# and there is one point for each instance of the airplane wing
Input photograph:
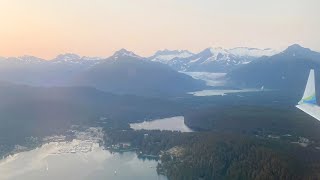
x,y
312,110
308,103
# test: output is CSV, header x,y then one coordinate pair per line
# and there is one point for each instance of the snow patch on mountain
x,y
87,58
252,52
30,59
214,59
167,55
209,60
219,54
67,57
76,59
22,59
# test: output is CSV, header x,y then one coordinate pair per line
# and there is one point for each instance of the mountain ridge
x,y
287,70
214,59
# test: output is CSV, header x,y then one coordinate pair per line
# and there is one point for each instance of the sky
x,y
46,28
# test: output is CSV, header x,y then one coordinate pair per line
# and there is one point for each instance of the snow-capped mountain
x,y
76,59
164,56
210,55
214,59
30,59
62,58
22,59
252,52
128,73
286,70
208,60
68,57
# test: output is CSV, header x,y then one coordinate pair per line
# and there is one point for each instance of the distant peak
x,y
123,52
24,58
217,50
31,58
67,57
296,48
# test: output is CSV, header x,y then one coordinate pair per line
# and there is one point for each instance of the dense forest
x,y
232,141
255,120
208,155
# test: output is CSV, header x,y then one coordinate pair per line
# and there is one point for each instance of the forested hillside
x,y
207,156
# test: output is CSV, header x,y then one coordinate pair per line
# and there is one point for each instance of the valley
x,y
159,90
177,125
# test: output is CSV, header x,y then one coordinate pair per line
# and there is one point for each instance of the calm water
x,y
170,124
222,92
64,160
215,79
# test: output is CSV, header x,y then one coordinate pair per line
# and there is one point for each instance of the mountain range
x,y
122,73
128,73
208,60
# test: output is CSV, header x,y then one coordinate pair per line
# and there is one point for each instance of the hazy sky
x,y
46,28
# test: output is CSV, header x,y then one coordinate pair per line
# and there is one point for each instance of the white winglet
x,y
308,102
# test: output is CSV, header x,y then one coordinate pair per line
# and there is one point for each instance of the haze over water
x,y
76,160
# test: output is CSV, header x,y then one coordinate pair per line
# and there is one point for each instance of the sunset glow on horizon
x,y
46,28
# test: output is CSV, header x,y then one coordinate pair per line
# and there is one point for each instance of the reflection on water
x,y
170,124
78,159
